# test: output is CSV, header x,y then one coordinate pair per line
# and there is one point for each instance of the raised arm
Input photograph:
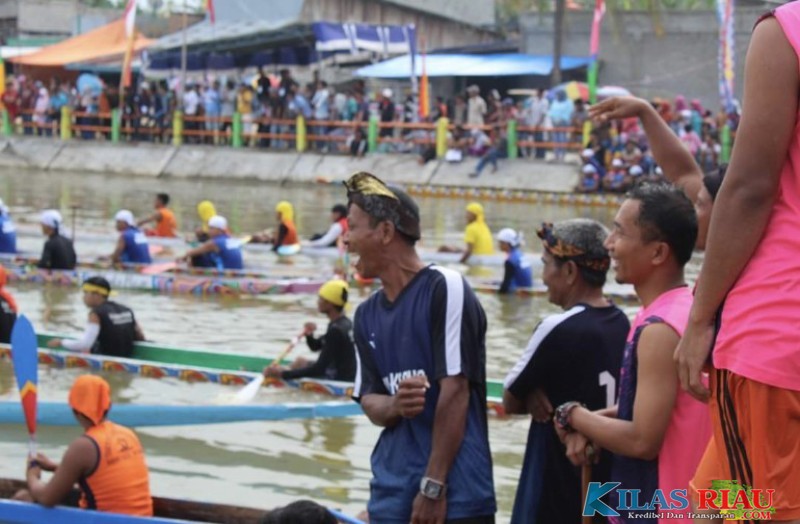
x,y
669,152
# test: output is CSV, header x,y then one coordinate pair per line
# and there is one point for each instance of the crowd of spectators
x,y
550,124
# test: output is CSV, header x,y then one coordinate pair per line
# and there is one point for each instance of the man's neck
x,y
584,294
335,315
396,275
658,284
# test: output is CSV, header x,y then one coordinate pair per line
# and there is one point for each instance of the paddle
x,y
153,269
26,361
155,249
586,477
249,392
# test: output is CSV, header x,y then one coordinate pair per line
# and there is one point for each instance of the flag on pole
x,y
130,34
424,88
209,7
726,51
594,49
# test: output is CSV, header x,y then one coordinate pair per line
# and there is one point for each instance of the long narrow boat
x,y
178,244
166,511
148,415
169,284
157,361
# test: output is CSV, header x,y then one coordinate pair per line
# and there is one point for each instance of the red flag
x,y
210,11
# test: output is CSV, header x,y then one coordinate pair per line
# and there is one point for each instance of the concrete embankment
x,y
190,161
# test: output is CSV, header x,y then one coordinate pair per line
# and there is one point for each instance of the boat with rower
x,y
179,245
196,365
165,510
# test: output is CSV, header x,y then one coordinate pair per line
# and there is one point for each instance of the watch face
x,y
432,490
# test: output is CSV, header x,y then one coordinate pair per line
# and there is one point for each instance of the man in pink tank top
x,y
748,298
656,432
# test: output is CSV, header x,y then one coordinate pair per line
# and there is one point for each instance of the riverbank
x,y
514,179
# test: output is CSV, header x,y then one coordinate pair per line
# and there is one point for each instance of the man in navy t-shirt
x,y
574,355
421,370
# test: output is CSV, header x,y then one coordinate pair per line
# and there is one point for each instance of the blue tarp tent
x,y
506,64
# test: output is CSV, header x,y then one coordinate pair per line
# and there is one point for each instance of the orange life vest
x,y
167,225
120,483
291,234
343,223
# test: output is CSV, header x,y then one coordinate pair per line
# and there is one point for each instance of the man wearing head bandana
x,y
421,370
573,355
107,461
112,327
477,235
58,251
8,309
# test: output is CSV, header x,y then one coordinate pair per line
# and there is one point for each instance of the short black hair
x,y
341,209
100,282
300,512
666,214
713,180
163,198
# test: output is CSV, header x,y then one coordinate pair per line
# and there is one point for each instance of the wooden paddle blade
x,y
155,249
26,365
154,269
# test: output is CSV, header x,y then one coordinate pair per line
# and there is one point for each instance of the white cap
x,y
587,153
589,168
126,216
51,218
509,236
617,162
218,222
387,93
635,171
659,171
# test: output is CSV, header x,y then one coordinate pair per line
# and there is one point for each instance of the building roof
x,y
106,41
506,64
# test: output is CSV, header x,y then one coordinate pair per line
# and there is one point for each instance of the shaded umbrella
x,y
609,91
574,90
91,82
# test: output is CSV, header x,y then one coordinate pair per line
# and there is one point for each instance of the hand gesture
x,y
54,343
617,108
310,328
579,450
428,511
539,406
410,397
691,355
45,463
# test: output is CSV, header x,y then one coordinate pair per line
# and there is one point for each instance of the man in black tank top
x,y
112,327
58,252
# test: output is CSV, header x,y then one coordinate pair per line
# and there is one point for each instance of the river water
x,y
261,464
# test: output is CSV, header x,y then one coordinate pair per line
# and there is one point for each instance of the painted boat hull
x,y
166,511
169,284
157,361
144,415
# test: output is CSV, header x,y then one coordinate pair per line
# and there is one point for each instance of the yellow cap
x,y
475,208
335,292
206,210
286,210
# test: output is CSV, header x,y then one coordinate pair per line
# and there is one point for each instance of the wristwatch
x,y
432,489
562,414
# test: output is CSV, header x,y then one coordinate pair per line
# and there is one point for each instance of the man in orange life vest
x,y
166,224
107,461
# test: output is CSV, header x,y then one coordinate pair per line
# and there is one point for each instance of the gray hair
x,y
589,236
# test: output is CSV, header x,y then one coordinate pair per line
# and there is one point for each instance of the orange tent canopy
x,y
104,42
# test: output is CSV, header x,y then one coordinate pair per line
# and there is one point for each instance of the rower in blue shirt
x,y
518,273
132,247
8,233
221,251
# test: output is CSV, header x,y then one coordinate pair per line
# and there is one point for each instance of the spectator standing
x,y
560,114
212,103
459,110
476,106
322,112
